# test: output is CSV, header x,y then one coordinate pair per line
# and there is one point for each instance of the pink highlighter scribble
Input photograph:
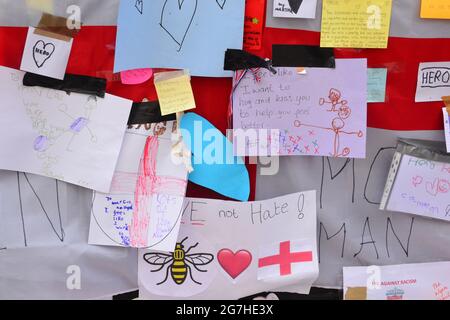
x,y
149,184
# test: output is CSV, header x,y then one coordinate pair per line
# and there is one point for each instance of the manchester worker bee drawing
x,y
180,263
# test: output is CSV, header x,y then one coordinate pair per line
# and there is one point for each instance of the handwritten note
x,y
322,113
137,76
174,92
294,8
420,281
433,81
75,138
376,86
356,23
447,127
420,187
254,24
225,243
46,55
435,9
143,208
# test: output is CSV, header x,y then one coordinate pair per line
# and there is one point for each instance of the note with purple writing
x,y
320,113
420,187
447,127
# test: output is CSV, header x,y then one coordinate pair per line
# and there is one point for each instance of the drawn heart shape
x,y
221,3
417,180
234,263
295,5
42,52
177,17
139,5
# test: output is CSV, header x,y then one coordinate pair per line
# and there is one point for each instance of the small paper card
x,y
294,8
433,81
356,23
46,55
435,9
421,281
254,24
174,92
376,85
419,180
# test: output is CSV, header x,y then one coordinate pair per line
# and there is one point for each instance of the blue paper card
x,y
178,34
376,84
215,166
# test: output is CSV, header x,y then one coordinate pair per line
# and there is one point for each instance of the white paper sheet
x,y
43,236
420,187
282,9
75,138
113,214
245,248
433,81
352,229
422,281
45,56
447,128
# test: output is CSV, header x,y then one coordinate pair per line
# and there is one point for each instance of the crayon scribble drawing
x,y
177,17
343,112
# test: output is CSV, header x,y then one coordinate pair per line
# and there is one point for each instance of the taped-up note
x,y
419,180
47,48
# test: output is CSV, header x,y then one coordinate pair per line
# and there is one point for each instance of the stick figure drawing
x,y
338,123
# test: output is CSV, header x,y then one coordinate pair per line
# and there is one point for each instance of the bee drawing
x,y
180,263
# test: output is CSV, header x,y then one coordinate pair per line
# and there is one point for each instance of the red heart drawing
x,y
234,263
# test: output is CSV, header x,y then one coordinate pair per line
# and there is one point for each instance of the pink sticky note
x,y
136,76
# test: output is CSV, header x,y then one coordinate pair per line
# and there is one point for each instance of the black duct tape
x,y
148,112
71,83
302,56
242,60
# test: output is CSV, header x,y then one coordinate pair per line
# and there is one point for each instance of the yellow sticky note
x,y
435,9
41,5
355,23
174,92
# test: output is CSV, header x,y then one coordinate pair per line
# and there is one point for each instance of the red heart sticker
x,y
234,263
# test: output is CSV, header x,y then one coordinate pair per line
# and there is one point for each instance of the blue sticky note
x,y
376,84
215,166
188,34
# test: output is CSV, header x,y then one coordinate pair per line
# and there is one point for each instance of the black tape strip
x,y
148,112
242,60
302,56
71,83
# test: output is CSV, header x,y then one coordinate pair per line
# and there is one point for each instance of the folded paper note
x,y
143,208
174,92
376,85
229,250
189,34
435,9
75,138
136,76
419,180
322,113
46,54
356,24
446,113
215,166
294,8
433,81
421,281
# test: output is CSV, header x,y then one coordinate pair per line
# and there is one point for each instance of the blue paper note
x,y
376,84
189,34
215,166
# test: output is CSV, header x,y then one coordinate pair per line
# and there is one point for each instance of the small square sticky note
x,y
355,23
376,84
174,92
46,55
435,9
